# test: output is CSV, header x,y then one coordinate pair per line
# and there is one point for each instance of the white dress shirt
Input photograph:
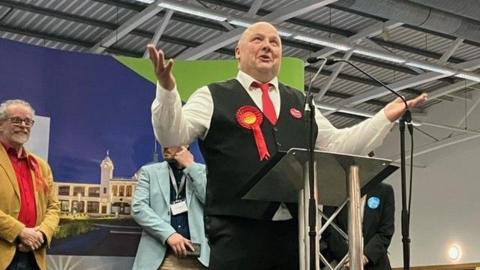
x,y
176,125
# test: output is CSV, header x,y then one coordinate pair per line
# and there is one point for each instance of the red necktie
x,y
268,109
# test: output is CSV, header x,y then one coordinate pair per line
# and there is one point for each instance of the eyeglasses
x,y
18,121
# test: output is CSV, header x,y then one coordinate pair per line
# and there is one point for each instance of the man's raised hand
x,y
162,70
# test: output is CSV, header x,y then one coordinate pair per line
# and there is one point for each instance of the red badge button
x,y
296,113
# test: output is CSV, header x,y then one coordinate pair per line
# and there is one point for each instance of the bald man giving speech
x,y
243,122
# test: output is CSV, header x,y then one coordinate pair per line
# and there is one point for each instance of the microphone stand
x,y
312,203
405,119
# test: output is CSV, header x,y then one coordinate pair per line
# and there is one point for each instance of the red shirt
x,y
23,171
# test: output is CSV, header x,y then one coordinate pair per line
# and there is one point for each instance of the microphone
x,y
315,59
407,116
329,61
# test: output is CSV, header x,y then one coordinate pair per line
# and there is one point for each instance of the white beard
x,y
20,138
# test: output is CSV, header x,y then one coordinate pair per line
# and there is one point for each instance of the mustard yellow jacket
x,y
47,208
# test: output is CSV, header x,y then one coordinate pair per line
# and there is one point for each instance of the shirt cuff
x,y
166,95
381,119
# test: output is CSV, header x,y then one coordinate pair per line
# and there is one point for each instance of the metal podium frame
x,y
285,179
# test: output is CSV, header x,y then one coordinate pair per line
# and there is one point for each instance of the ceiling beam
x,y
413,27
451,50
339,31
370,31
172,40
46,36
406,83
226,25
127,27
336,71
255,7
275,17
104,24
63,40
368,114
361,80
159,32
165,38
414,50
204,23
450,89
144,34
309,24
373,30
87,44
52,13
343,76
336,94
212,45
467,114
419,151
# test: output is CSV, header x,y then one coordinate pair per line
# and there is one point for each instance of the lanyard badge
x,y
178,206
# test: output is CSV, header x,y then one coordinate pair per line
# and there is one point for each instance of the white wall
x,y
446,192
40,137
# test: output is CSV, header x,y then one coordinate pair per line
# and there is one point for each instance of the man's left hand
x,y
31,237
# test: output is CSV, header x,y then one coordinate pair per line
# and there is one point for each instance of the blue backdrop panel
x,y
94,102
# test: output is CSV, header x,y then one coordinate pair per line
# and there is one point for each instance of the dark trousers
x,y
240,244
23,261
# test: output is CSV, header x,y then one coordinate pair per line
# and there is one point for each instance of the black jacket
x,y
378,228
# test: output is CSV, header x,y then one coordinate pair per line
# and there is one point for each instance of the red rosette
x,y
250,117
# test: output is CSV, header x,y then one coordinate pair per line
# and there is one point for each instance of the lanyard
x,y
178,189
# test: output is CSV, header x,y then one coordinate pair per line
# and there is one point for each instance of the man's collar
x,y
12,151
247,80
174,166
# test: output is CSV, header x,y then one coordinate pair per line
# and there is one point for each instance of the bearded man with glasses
x,y
28,201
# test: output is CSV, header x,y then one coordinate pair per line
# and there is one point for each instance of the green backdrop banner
x,y
191,75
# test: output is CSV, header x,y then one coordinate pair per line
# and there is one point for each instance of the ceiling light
x,y
338,46
383,56
431,67
466,76
239,23
325,106
355,112
455,253
284,33
193,11
351,111
146,1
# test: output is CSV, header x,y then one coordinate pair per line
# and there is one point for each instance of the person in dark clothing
x,y
378,228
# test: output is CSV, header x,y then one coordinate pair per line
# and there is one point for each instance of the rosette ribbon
x,y
250,117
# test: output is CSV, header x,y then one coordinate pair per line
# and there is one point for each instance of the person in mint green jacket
x,y
168,205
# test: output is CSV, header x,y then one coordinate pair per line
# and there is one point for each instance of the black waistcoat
x,y
231,154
